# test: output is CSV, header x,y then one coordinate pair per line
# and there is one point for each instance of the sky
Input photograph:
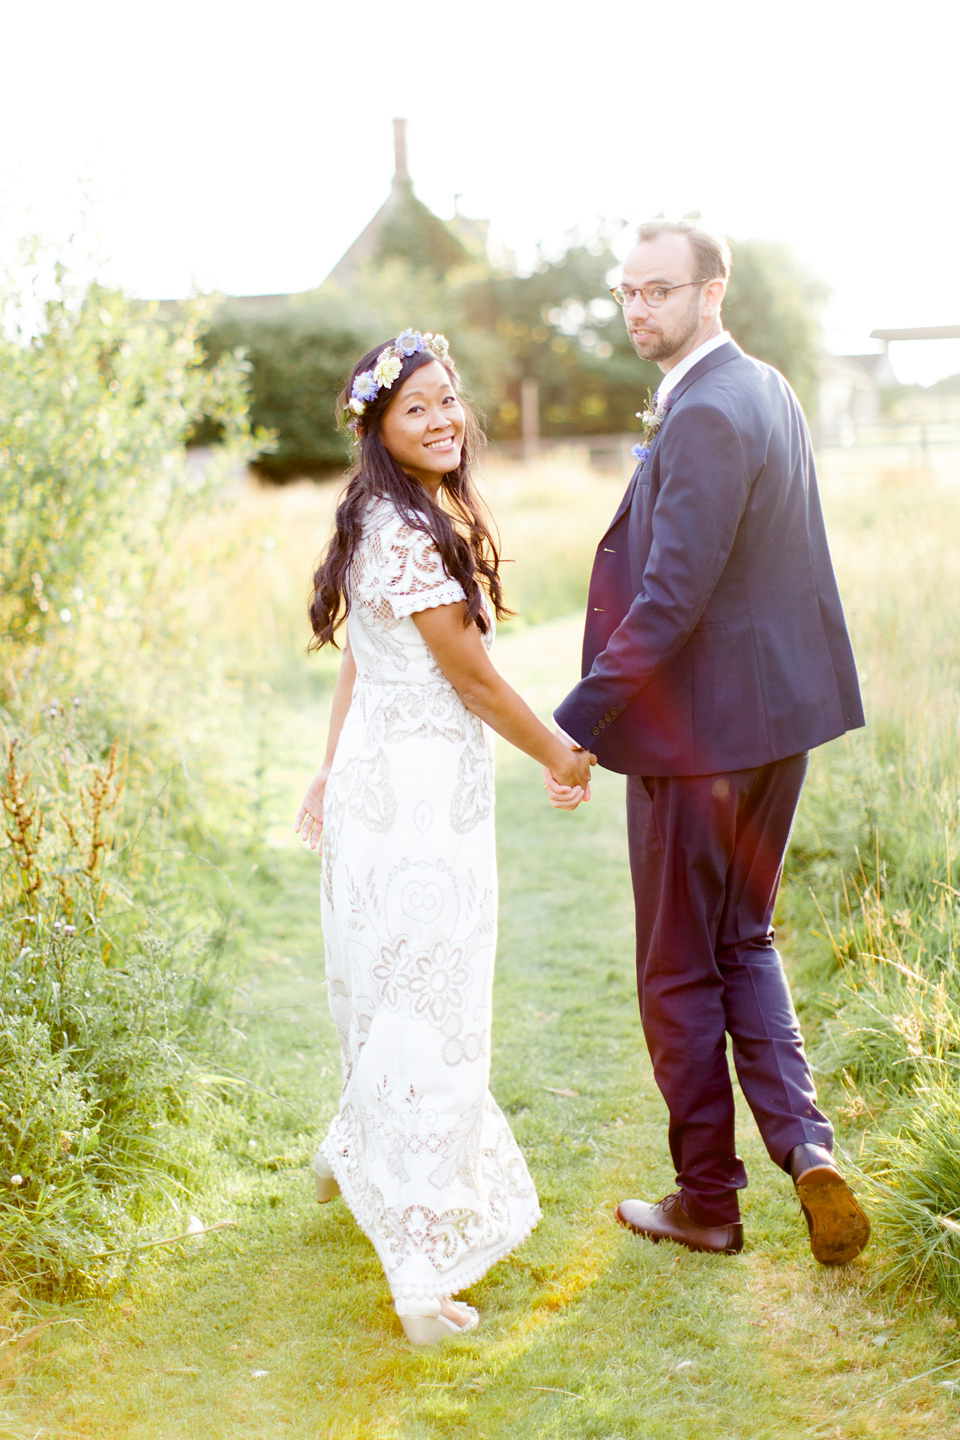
x,y
243,146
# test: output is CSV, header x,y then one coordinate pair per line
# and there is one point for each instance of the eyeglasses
x,y
652,295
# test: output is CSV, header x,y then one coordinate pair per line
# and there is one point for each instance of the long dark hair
x,y
459,527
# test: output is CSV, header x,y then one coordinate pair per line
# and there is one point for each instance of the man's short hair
x,y
711,252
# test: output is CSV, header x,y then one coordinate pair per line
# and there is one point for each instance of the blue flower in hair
x,y
410,342
365,386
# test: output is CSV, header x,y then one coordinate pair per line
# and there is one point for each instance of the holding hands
x,y
567,782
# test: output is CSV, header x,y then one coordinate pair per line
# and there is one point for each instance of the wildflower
x,y
640,451
16,1181
410,342
387,368
365,386
438,345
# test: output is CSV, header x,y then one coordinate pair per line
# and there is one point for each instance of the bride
x,y
419,1149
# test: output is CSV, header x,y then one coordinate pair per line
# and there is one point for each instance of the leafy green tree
x,y
772,310
97,398
560,327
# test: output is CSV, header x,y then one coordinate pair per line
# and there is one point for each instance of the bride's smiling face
x,y
422,427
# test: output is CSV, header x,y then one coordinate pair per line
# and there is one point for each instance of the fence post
x,y
530,416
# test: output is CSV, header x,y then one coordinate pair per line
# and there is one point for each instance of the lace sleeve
x,y
413,576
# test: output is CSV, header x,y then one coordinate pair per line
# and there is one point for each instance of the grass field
x,y
279,1323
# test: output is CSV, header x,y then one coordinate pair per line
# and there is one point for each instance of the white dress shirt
x,y
676,374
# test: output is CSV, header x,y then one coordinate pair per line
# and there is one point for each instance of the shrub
x,y
95,1015
97,396
104,996
299,360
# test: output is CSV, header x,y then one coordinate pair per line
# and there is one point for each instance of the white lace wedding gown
x,y
423,1155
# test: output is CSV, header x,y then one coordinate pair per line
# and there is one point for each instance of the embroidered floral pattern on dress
x,y
423,1155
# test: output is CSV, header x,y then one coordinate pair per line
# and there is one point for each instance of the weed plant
x,y
874,864
107,972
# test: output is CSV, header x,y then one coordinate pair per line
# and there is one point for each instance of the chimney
x,y
400,173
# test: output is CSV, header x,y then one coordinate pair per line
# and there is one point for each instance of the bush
x,y
96,1015
104,992
298,362
97,397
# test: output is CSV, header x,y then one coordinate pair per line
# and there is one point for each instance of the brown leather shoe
x,y
839,1230
668,1220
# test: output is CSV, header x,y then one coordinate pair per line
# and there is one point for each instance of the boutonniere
x,y
651,419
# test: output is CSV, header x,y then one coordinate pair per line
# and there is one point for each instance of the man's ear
x,y
713,293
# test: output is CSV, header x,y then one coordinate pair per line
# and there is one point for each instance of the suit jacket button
x,y
596,730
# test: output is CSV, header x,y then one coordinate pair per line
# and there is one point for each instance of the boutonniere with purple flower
x,y
651,419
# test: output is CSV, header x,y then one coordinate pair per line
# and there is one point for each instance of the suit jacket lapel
x,y
626,502
720,356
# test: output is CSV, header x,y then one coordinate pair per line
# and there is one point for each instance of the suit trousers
x,y
706,856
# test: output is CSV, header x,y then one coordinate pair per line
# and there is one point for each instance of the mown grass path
x,y
282,1325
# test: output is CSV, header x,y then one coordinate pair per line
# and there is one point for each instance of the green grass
x,y
587,1331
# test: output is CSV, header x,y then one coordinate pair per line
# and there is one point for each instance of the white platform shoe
x,y
423,1323
327,1187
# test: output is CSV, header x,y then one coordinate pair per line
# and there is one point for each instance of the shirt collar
x,y
676,374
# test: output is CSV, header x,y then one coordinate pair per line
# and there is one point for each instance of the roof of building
x,y
921,332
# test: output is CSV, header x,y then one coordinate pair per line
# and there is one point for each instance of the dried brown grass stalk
x,y
23,826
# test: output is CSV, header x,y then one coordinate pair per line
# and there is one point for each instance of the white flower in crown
x,y
438,345
388,367
357,406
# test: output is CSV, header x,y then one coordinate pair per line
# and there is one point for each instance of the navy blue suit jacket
x,y
715,638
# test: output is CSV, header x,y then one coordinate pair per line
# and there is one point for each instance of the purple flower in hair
x,y
365,387
410,342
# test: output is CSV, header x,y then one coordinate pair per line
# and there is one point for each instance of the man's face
x,y
668,331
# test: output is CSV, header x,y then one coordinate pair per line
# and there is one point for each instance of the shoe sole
x,y
838,1228
674,1239
433,1329
327,1188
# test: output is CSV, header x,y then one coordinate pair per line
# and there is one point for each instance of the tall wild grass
x,y
876,853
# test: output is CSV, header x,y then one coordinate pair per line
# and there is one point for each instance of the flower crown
x,y
369,383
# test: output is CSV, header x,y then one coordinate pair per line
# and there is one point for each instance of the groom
x,y
715,656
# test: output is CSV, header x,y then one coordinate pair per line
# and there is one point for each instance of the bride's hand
x,y
573,768
563,797
309,825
